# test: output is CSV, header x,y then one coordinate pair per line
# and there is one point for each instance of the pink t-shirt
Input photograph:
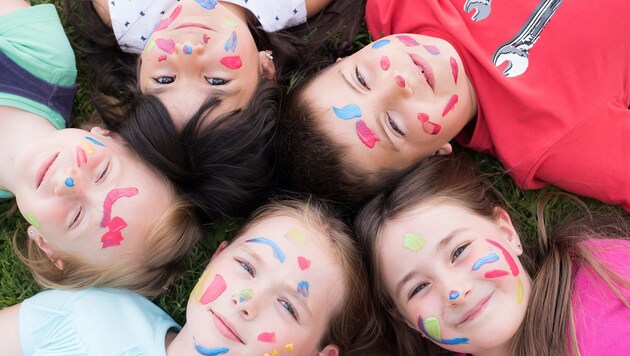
x,y
602,322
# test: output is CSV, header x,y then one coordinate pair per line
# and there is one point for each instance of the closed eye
x,y
417,289
104,174
458,251
164,80
394,126
74,222
360,78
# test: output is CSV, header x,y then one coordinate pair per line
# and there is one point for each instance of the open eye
x,y
394,126
417,289
217,81
164,80
458,251
247,267
76,219
289,307
360,78
103,174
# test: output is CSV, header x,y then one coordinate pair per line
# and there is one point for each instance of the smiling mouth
x,y
425,69
43,169
225,328
476,311
193,25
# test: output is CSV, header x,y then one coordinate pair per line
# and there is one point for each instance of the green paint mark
x,y
230,22
31,219
150,46
432,325
413,242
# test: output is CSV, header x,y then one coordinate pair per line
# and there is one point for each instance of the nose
x,y
457,293
191,49
397,85
246,304
69,181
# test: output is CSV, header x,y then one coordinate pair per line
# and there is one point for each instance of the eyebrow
x,y
440,246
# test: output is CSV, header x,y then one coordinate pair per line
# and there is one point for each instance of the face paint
x,y
167,21
400,81
206,38
495,273
209,351
519,294
207,4
165,45
347,112
94,141
187,49
379,44
31,220
69,182
297,237
384,63
507,256
454,69
302,288
453,295
304,263
432,49
161,58
267,337
244,295
111,198
431,328
491,258
428,126
230,21
407,41
287,347
88,147
366,135
113,236
214,290
230,44
149,46
451,102
196,293
233,62
413,242
81,157
277,252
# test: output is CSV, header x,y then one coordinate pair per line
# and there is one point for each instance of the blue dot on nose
x,y
69,182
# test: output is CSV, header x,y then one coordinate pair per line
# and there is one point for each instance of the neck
x,y
180,343
18,129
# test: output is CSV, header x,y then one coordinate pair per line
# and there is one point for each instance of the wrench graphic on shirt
x,y
482,7
516,52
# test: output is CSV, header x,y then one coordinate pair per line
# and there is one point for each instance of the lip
x,y
424,67
43,169
193,25
476,311
225,328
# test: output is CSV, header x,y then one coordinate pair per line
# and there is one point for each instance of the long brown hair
x,y
548,322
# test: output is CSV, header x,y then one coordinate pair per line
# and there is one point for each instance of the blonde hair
x,y
348,318
165,249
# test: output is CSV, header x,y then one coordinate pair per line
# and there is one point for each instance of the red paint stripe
x,y
508,257
495,273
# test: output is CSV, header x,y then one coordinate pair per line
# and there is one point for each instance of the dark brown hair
x,y
548,322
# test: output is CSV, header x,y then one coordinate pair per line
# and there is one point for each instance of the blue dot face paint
x,y
492,257
347,112
379,44
207,4
187,49
453,295
231,42
277,252
69,182
94,141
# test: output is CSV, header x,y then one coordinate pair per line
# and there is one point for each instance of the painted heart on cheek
x,y
232,62
165,45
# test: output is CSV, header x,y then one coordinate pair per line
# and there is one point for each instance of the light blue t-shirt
x,y
94,321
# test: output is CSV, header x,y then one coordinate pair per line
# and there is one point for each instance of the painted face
x,y
455,276
394,102
200,49
267,293
82,191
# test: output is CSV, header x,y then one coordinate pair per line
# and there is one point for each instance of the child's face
x,y
87,195
200,51
270,291
394,102
455,276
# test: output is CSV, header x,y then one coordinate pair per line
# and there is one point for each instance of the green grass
x,y
16,283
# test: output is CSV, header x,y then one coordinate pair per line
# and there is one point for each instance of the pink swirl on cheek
x,y
167,21
454,69
366,135
232,62
165,45
384,63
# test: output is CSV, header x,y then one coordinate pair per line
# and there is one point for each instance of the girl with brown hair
x,y
451,270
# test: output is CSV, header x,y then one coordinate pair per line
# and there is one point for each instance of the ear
x,y
267,67
507,230
339,59
447,149
220,248
99,131
44,246
329,350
